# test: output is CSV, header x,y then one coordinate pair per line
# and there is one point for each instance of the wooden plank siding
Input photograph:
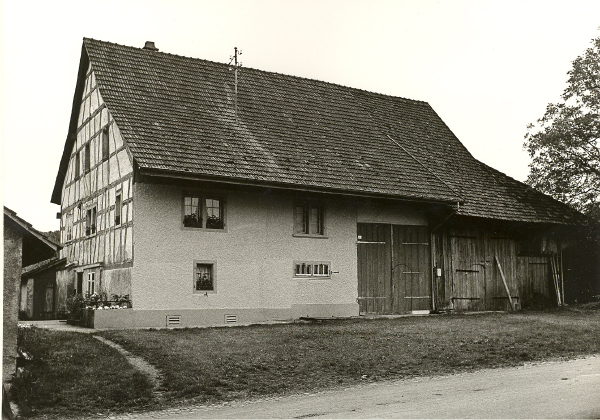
x,y
470,279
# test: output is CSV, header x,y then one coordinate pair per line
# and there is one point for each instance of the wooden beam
x,y
512,306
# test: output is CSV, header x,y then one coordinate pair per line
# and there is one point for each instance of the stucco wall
x,y
253,255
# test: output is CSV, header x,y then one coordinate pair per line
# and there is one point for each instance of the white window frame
x,y
91,282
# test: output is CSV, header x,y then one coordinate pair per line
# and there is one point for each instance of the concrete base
x,y
178,318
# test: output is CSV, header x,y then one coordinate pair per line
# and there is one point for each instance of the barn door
x,y
394,273
468,277
411,269
374,268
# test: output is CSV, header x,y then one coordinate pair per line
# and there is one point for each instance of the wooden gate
x,y
394,268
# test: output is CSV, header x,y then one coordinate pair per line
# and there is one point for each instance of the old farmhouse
x,y
211,195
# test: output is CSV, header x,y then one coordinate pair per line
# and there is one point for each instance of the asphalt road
x,y
568,389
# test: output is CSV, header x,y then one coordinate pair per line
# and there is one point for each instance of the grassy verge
x,y
73,374
211,365
219,364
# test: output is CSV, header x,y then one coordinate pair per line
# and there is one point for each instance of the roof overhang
x,y
161,176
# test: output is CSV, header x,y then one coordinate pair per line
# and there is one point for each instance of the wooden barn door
x,y
374,268
411,281
468,274
394,268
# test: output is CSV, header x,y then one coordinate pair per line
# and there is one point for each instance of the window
x,y
90,221
77,165
69,226
204,277
91,283
199,212
118,208
105,149
311,269
86,161
79,285
308,219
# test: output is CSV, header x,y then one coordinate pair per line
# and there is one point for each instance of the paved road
x,y
547,390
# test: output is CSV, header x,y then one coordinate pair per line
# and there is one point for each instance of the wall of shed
x,y
13,247
470,278
109,251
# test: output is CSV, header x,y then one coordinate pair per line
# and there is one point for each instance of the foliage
x,y
565,142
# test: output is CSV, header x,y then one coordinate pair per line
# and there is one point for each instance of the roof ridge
x,y
264,71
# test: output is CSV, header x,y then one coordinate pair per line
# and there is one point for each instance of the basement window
x,y
90,221
204,277
203,212
309,219
312,269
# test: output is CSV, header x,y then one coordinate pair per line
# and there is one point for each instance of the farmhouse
x,y
210,195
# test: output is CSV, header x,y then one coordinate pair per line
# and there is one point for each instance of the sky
x,y
488,68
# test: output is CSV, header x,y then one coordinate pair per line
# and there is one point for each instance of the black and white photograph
x,y
301,209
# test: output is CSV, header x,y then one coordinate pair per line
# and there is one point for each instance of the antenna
x,y
236,66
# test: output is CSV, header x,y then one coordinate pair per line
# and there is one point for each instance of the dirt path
x,y
562,389
140,364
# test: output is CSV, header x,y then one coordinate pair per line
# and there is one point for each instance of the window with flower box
x,y
206,212
204,276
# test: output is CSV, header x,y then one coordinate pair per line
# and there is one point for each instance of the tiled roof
x,y
177,115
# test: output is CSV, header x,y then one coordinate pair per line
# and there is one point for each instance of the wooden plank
x,y
512,306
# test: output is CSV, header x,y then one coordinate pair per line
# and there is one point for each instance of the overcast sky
x,y
488,68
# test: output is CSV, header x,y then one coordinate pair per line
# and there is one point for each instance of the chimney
x,y
150,46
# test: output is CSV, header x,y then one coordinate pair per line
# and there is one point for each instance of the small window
x,y
69,226
203,212
214,213
204,277
86,161
90,221
192,212
77,165
118,208
311,269
91,283
79,285
105,148
309,219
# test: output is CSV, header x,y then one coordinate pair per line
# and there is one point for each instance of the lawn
x,y
219,364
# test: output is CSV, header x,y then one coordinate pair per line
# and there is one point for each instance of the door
x,y
412,269
394,268
374,268
468,277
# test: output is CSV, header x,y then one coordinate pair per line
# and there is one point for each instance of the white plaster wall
x,y
254,255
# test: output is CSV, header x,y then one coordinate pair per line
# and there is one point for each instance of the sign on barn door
x,y
394,268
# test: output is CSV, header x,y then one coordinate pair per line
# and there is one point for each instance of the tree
x,y
565,143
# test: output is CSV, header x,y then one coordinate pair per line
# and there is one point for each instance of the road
x,y
562,389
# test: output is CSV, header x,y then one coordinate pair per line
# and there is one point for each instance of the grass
x,y
73,374
220,364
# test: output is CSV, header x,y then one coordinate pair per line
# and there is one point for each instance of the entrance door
x,y
468,279
394,268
